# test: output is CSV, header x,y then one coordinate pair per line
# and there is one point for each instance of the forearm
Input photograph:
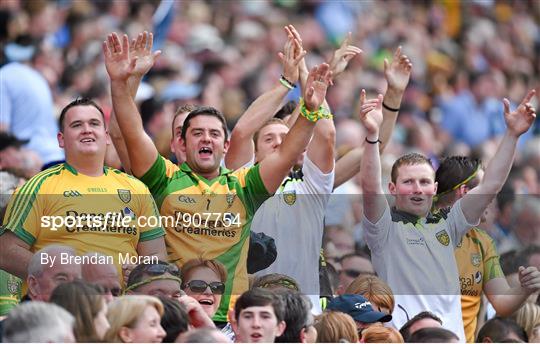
x,y
321,148
296,140
14,258
126,112
119,144
499,167
133,83
392,99
241,148
370,167
348,166
508,302
260,111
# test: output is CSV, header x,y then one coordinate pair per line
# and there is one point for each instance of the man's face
x,y
105,276
258,324
84,132
161,287
42,286
414,188
205,144
269,139
176,141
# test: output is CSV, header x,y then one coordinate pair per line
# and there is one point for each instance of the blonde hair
x,y
528,317
125,311
333,327
381,334
374,289
211,264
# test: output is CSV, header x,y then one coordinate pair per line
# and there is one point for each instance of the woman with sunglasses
x,y
204,280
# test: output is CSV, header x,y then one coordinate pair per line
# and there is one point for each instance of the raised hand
x,y
141,50
529,278
343,55
292,54
397,72
119,64
371,113
522,118
318,80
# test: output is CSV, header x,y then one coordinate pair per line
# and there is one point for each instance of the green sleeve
x,y
156,178
492,264
255,190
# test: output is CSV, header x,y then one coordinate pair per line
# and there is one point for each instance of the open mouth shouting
x,y
256,337
205,152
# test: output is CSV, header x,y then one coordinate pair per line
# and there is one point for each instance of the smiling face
x,y
205,145
147,328
83,134
258,324
414,188
208,300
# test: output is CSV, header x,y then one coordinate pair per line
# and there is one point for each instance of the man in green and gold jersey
x,y
211,206
81,203
476,256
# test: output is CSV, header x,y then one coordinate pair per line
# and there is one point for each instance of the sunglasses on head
x,y
198,286
160,269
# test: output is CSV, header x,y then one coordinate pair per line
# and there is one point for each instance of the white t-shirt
x,y
416,258
294,218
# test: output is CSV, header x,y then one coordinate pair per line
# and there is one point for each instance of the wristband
x,y
314,116
389,108
373,142
285,82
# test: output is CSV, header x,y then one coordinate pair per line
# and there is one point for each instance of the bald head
x,y
101,273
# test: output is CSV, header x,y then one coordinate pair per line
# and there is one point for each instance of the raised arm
x,y
145,61
321,148
278,164
397,74
242,148
518,122
370,168
121,66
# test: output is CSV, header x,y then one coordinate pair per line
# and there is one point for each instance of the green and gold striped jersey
x,y
208,219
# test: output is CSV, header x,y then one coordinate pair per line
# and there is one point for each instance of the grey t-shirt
x,y
415,256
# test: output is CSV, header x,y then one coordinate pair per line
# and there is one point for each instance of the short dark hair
x,y
205,111
433,335
174,320
182,109
406,328
258,297
456,170
271,121
409,159
297,315
276,280
78,102
498,329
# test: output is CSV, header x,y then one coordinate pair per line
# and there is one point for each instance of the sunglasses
x,y
160,269
199,287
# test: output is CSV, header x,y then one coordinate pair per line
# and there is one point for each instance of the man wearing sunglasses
x,y
104,275
352,266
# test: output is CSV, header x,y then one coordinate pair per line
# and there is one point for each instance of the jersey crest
x,y
289,197
125,195
443,237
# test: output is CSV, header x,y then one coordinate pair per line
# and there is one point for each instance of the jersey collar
x,y
185,168
74,171
405,217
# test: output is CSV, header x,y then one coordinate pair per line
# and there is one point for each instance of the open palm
x,y
521,119
141,50
398,71
371,114
118,63
319,78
